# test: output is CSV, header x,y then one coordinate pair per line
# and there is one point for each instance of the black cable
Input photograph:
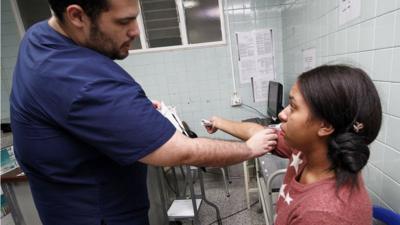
x,y
262,114
226,217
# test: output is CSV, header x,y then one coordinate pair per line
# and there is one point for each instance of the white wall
x,y
9,48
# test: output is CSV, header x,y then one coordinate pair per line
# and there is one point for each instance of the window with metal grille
x,y
166,23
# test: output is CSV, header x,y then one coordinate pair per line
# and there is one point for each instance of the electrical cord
x,y
235,213
262,114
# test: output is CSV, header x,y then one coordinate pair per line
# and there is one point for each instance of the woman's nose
x,y
283,114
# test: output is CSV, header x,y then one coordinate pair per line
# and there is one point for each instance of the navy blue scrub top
x,y
80,123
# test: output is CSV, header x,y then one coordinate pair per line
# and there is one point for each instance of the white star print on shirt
x,y
288,199
282,191
296,161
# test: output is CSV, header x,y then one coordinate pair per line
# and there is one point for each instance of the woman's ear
x,y
325,129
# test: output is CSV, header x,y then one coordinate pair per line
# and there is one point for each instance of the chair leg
x,y
189,175
225,182
246,183
203,194
227,174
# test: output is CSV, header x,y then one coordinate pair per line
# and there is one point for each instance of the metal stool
x,y
187,207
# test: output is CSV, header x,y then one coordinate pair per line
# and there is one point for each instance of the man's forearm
x,y
181,150
208,152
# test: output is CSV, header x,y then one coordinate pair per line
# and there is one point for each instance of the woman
x,y
334,113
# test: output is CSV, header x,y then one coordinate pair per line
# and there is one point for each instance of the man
x,y
84,130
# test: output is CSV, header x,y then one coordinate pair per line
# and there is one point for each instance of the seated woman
x,y
334,113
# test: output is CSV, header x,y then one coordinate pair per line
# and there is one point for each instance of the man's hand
x,y
262,142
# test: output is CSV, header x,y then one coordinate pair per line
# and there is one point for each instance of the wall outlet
x,y
236,100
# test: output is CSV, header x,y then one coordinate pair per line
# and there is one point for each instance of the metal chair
x,y
269,168
186,207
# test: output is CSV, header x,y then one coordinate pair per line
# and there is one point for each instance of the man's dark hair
x,y
347,99
92,8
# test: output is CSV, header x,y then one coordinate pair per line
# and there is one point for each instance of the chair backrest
x,y
270,205
385,215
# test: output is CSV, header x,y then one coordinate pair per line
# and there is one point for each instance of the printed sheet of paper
x,y
260,89
256,58
256,61
247,69
246,45
265,67
263,39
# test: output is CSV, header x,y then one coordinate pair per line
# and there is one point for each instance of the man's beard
x,y
103,44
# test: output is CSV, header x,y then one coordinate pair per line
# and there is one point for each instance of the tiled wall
x,y
372,42
9,47
198,81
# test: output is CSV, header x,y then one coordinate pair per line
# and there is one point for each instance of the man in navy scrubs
x,y
84,130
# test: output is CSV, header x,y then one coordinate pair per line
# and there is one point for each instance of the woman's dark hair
x,y
346,98
92,8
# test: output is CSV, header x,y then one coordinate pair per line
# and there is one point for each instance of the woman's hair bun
x,y
349,153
